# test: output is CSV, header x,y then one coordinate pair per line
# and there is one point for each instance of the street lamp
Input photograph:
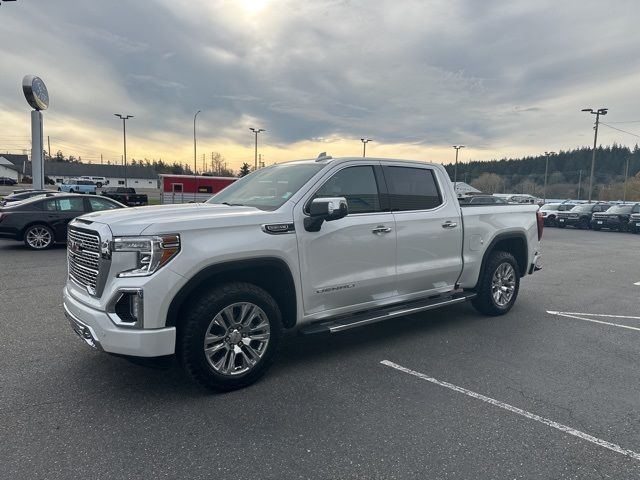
x,y
195,161
597,113
124,119
256,131
364,146
546,171
455,169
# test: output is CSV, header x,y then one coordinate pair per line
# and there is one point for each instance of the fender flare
x,y
498,238
217,269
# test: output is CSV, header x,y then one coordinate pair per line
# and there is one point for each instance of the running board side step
x,y
346,322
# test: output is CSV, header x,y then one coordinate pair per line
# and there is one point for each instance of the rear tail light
x,y
540,219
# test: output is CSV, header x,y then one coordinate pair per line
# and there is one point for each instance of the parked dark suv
x,y
616,218
634,223
580,216
550,212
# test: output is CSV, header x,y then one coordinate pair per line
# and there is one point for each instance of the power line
x,y
620,130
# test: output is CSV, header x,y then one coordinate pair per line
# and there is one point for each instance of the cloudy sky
x,y
415,76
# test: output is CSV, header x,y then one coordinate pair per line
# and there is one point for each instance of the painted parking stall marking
x,y
585,317
532,416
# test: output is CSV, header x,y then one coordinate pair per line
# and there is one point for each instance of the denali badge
x,y
276,228
336,288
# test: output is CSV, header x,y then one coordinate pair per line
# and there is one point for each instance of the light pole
x,y
256,131
455,169
364,146
626,174
579,184
597,113
124,135
546,171
195,160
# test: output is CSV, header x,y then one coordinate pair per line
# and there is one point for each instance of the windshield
x,y
620,209
582,208
268,188
550,207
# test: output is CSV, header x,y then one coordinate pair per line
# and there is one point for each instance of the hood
x,y
175,218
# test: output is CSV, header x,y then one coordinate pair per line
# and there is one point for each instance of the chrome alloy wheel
x,y
237,338
503,284
39,238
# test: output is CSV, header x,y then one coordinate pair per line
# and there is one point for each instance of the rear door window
x,y
412,188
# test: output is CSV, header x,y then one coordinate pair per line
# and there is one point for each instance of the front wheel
x,y
498,287
230,336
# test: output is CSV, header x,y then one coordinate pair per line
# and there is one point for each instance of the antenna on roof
x,y
323,156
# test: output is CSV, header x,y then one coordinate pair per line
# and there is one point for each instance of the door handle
x,y
449,224
381,229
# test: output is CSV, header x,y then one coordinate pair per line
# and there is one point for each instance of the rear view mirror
x,y
325,210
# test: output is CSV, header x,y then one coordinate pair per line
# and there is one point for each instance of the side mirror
x,y
325,210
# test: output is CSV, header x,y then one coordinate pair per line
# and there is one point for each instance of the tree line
x,y
568,174
213,166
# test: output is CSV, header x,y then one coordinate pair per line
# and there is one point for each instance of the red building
x,y
191,188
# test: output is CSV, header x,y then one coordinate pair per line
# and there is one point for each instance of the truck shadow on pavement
x,y
121,377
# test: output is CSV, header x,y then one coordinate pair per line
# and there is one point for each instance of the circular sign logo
x,y
35,92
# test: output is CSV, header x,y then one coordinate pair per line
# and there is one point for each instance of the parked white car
x,y
99,181
319,245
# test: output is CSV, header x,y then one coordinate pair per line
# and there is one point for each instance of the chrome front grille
x,y
83,255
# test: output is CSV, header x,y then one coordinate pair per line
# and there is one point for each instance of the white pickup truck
x,y
318,245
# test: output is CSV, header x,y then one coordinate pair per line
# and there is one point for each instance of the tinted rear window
x,y
412,188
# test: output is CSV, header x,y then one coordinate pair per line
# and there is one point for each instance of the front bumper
x,y
98,331
607,223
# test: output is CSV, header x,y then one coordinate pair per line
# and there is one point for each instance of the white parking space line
x,y
519,411
594,315
578,316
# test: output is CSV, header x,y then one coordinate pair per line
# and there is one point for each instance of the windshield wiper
x,y
232,204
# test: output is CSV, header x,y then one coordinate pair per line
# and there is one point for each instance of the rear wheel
x,y
584,224
99,184
230,336
499,284
38,237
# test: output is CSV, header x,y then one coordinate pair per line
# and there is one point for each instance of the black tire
x,y
485,301
99,184
198,320
561,225
596,228
71,190
583,224
38,237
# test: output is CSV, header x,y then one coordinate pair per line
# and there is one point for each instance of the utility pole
x,y
195,166
626,174
364,146
124,134
546,171
455,169
597,113
579,184
49,146
255,158
100,159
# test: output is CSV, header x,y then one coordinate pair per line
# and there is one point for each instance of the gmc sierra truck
x,y
314,246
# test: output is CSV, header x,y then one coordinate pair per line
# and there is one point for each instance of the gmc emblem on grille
x,y
73,246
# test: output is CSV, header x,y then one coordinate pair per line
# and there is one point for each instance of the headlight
x,y
153,252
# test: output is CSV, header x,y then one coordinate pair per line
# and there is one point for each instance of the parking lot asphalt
x,y
329,408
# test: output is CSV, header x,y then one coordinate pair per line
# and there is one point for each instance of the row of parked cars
x,y
624,217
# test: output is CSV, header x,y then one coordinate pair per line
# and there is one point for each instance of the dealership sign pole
x,y
36,94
